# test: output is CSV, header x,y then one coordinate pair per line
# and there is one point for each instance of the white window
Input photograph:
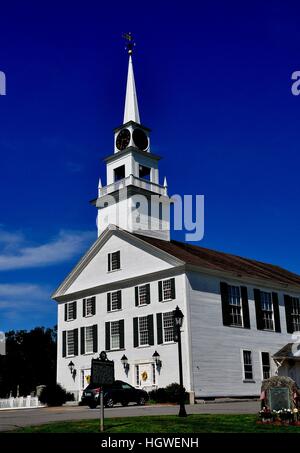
x,y
295,313
143,331
70,342
115,335
89,304
248,369
88,337
143,295
267,310
235,305
114,261
167,289
71,311
168,327
115,296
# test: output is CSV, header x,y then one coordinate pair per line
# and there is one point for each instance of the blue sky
x,y
214,85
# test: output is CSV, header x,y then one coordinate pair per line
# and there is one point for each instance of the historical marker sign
x,y
103,372
279,398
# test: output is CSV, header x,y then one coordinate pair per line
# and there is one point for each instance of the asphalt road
x,y
12,419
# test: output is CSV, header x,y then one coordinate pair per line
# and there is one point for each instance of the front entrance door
x,y
85,379
146,375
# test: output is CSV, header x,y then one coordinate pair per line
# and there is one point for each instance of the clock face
x,y
140,139
123,139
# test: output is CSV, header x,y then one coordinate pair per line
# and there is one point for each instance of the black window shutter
x,y
108,302
82,340
135,332
288,313
94,305
75,309
64,343
136,296
121,330
245,307
66,312
107,336
259,315
95,338
119,300
160,292
148,293
108,262
83,307
150,330
118,260
159,328
173,293
276,312
75,341
225,304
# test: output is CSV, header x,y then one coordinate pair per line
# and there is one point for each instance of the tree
x,y
30,361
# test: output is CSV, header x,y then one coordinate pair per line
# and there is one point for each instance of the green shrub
x,y
169,394
174,393
53,395
158,396
70,396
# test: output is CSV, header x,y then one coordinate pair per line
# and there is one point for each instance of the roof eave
x,y
244,277
131,149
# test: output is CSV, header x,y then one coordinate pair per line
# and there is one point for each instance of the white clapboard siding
x,y
217,366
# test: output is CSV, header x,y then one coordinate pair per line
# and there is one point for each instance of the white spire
x,y
99,187
131,112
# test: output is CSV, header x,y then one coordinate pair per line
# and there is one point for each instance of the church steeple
x,y
133,197
131,111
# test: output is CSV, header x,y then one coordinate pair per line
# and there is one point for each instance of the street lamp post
x,y
178,320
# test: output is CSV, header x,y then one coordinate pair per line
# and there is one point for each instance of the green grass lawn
x,y
201,423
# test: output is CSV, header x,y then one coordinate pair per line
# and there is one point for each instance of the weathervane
x,y
129,42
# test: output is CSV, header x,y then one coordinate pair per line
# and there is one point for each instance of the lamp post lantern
x,y
125,363
71,367
178,321
157,361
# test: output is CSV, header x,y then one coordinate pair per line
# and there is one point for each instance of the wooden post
x,y
101,411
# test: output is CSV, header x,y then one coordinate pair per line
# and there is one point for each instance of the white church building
x,y
239,313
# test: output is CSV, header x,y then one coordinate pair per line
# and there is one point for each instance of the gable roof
x,y
287,352
182,253
224,262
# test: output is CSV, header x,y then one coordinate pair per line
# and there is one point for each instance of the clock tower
x,y
133,198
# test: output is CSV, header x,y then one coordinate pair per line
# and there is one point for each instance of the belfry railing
x,y
132,180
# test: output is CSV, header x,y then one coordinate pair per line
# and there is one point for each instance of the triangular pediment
x,y
138,258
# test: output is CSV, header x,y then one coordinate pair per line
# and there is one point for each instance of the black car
x,y
118,392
